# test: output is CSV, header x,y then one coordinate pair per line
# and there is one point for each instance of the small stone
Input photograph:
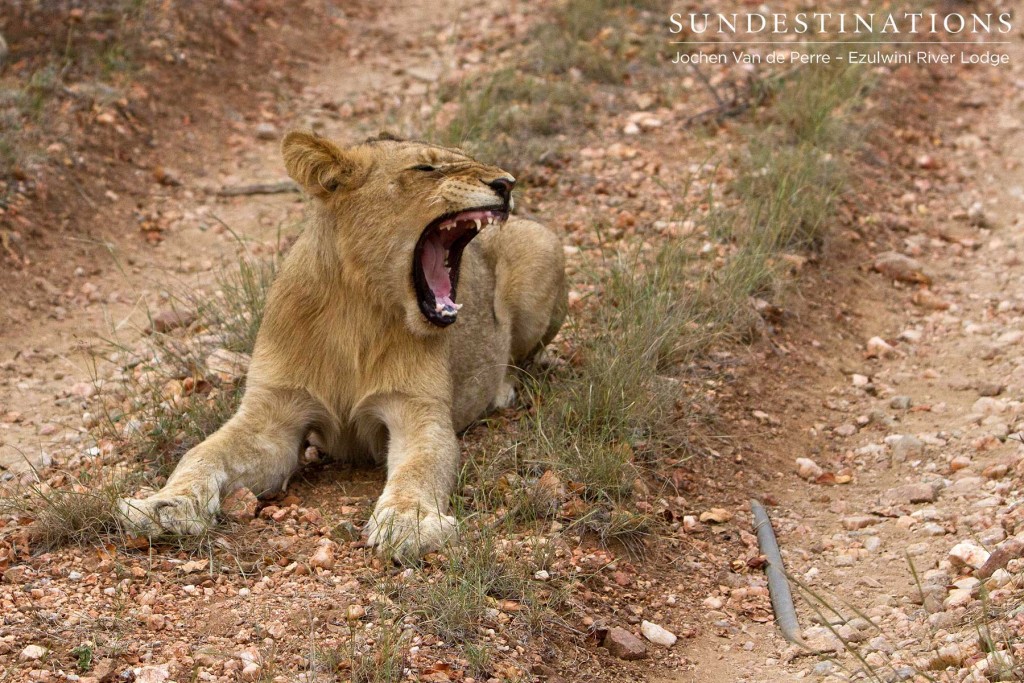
x,y
345,532
900,403
859,522
959,462
958,597
879,348
905,446
165,321
927,299
808,469
542,575
932,529
631,129
987,405
965,485
947,655
32,653
990,389
167,176
999,578
996,471
83,389
899,267
859,380
821,638
251,671
1001,666
152,674
549,491
266,131
713,602
355,612
624,645
911,335
657,634
823,668
240,506
846,430
969,554
909,494
976,215
716,516
323,558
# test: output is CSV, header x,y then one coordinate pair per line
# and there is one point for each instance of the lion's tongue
x,y
437,275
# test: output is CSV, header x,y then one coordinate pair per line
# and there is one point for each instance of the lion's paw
x,y
505,396
165,514
405,532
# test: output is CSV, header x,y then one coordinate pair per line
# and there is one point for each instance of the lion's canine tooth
x,y
458,307
477,221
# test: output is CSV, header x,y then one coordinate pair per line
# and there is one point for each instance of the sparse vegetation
x,y
382,659
83,513
84,652
172,404
519,114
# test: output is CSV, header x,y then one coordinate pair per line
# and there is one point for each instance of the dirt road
x,y
49,362
909,437
917,393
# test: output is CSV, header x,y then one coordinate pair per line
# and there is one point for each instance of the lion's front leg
x,y
410,517
257,449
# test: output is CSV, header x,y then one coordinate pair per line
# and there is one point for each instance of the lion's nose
x,y
503,186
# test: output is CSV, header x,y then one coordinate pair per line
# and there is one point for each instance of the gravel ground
x,y
880,427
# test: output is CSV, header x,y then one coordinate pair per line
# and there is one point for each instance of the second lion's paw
x,y
407,531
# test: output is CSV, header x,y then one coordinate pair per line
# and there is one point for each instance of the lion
x,y
364,349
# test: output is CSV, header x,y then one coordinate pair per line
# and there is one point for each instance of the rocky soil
x,y
880,423
896,424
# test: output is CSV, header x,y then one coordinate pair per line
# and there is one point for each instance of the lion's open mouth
x,y
435,263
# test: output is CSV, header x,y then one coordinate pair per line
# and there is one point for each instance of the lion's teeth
x,y
477,221
458,307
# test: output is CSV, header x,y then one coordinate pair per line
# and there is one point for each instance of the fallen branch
x,y
778,585
258,188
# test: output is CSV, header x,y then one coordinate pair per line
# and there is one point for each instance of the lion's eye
x,y
424,167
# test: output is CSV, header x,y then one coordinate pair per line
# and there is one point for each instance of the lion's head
x,y
401,213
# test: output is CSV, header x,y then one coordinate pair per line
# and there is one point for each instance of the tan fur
x,y
346,360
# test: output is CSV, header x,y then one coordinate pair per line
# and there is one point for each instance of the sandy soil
x,y
918,425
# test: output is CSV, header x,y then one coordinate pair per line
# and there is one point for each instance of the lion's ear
x,y
318,165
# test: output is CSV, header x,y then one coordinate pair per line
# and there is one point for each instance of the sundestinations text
x,y
911,23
